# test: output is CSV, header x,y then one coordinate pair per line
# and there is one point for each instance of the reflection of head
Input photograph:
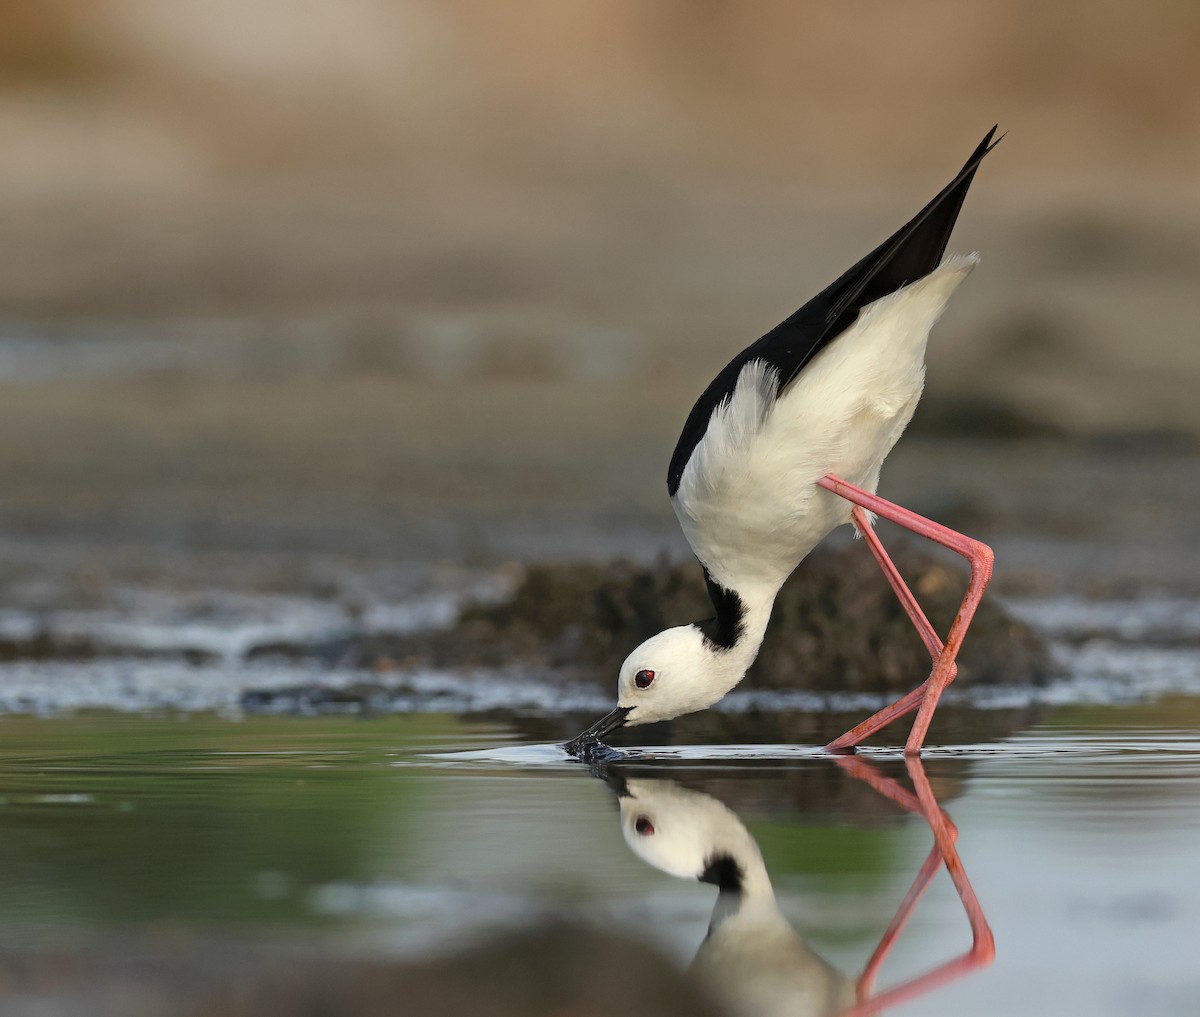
x,y
752,960
690,835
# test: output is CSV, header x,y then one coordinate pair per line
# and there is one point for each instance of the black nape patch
x,y
723,631
723,872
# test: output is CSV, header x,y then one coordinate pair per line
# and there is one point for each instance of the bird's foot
x,y
592,752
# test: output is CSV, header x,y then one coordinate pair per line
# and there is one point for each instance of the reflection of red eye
x,y
644,827
643,679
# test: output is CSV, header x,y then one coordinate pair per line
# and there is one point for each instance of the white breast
x,y
748,501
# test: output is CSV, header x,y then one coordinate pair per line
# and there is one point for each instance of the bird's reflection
x,y
752,960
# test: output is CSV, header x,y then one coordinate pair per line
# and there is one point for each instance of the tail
x,y
911,252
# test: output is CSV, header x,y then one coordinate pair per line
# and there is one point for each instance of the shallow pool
x,y
404,835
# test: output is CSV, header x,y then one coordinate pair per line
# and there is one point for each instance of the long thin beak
x,y
604,726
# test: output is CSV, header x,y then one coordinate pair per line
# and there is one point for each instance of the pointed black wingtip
x,y
982,149
987,144
925,237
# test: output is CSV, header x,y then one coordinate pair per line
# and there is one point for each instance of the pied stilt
x,y
785,445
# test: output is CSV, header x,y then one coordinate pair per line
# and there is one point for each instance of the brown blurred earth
x,y
393,274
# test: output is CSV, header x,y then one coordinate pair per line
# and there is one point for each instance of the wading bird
x,y
785,445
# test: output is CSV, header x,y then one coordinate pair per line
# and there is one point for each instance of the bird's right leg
x,y
906,704
862,523
925,696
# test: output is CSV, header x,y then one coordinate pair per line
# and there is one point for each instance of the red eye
x,y
643,679
644,827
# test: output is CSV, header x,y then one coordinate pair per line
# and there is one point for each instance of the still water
x,y
409,835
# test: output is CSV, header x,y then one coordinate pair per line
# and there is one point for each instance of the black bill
x,y
601,729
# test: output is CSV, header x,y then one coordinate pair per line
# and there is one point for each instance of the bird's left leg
x,y
980,557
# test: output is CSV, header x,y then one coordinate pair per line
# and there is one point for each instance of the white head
x,y
676,672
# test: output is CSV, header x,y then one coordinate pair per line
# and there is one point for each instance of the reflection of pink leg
x,y
866,981
983,948
944,668
861,770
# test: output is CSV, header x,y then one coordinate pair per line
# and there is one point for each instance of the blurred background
x,y
318,320
396,275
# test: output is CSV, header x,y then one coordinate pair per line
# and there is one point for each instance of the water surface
x,y
406,835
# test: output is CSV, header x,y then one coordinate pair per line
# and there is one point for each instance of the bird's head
x,y
675,672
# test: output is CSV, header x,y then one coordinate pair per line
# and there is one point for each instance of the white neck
x,y
758,602
753,901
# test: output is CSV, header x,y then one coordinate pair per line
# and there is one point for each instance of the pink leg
x,y
944,668
928,636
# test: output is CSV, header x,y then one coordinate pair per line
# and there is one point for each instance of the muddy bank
x,y
549,969
836,625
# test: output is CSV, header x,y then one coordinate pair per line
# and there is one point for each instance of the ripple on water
x,y
1048,747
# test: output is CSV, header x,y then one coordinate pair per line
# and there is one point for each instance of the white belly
x,y
748,501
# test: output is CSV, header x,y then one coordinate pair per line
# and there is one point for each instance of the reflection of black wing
x,y
914,251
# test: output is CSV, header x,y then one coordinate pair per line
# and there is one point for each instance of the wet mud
x,y
836,625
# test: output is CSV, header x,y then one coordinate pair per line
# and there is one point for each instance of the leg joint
x,y
983,560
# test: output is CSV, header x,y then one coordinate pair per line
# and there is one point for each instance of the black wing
x,y
913,251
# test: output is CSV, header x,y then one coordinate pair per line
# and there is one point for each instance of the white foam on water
x,y
47,688
53,687
227,627
1147,619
